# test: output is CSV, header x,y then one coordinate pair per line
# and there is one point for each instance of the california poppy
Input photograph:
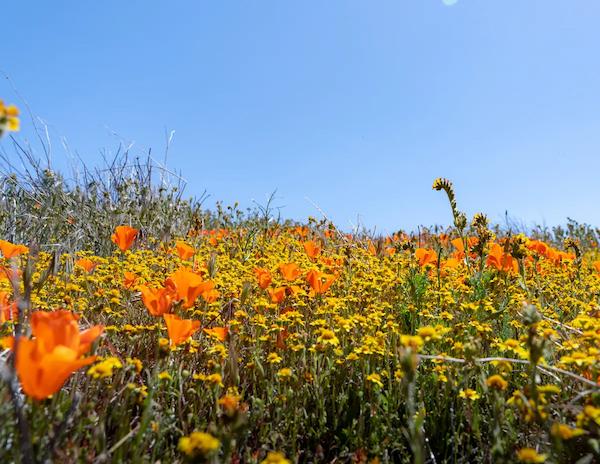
x,y
44,363
450,263
538,246
10,250
263,276
158,301
332,262
42,373
188,286
220,333
210,295
557,256
444,239
319,281
289,271
129,279
60,328
500,260
184,251
425,256
460,247
124,237
277,294
302,231
312,249
86,264
372,249
180,330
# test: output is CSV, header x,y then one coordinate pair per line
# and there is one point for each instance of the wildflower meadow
x,y
138,326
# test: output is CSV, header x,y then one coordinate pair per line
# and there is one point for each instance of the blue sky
x,y
356,105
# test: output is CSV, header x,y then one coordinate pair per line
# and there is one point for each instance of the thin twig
x,y
105,456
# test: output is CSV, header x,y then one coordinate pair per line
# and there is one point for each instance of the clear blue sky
x,y
357,105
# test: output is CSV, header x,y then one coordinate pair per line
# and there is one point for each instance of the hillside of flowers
x,y
254,341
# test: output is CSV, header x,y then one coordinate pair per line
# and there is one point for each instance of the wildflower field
x,y
138,327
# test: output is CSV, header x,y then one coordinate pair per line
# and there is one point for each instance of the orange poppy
x,y
188,286
10,250
129,279
277,294
263,276
46,362
426,256
538,246
301,231
59,328
210,295
124,237
372,249
331,262
289,271
500,260
597,265
557,256
444,239
43,373
450,263
158,301
553,255
184,251
180,330
460,247
319,281
220,333
312,249
86,264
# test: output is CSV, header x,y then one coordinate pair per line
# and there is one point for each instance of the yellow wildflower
x,y
275,457
529,455
199,444
564,432
214,379
104,368
135,362
273,358
327,337
164,375
496,382
411,341
469,394
284,373
375,378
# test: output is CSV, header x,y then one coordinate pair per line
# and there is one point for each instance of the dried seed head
x,y
574,245
480,220
442,184
460,220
